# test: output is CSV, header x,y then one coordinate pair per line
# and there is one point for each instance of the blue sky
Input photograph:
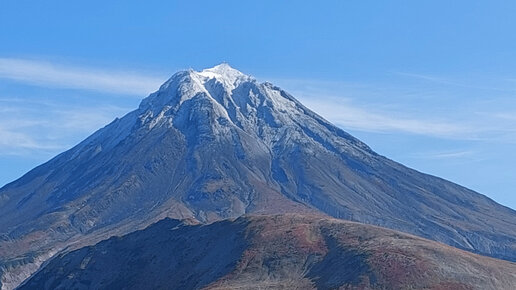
x,y
430,84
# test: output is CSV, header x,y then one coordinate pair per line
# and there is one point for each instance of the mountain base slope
x,y
271,252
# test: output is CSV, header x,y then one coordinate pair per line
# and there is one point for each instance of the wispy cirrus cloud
x,y
444,154
35,127
49,74
47,122
355,117
447,81
11,140
356,106
454,110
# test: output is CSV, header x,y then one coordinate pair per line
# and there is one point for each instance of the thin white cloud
x,y
411,108
54,75
25,131
353,117
505,116
453,82
11,141
67,124
445,155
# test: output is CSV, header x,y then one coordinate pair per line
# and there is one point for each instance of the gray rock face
x,y
217,144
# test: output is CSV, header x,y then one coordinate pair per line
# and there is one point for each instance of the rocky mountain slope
x,y
278,252
219,144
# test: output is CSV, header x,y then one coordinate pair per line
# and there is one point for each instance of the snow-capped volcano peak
x,y
214,83
223,70
220,99
228,93
187,83
225,74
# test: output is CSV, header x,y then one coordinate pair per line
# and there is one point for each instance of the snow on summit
x,y
225,74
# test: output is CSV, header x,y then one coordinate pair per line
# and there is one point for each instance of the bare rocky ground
x,y
272,252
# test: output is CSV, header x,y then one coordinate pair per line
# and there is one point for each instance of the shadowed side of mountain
x,y
167,254
271,252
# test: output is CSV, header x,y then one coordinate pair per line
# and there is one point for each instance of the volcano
x,y
218,144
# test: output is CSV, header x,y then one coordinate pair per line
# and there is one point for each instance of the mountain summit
x,y
218,144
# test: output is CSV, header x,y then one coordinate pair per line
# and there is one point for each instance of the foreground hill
x,y
218,144
282,251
